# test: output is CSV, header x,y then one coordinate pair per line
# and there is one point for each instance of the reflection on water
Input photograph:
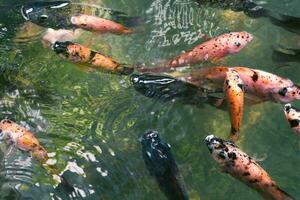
x,y
179,22
90,122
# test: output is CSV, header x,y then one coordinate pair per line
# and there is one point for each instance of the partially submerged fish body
x,y
166,88
292,114
80,54
285,54
57,14
241,166
249,7
161,164
260,84
22,139
214,49
62,35
234,91
99,25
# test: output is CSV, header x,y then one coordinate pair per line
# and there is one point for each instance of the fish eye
x,y
283,91
222,155
44,17
237,44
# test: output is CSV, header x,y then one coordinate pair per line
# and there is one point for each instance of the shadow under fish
x,y
57,14
161,164
166,89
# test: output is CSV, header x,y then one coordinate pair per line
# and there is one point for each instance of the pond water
x,y
90,122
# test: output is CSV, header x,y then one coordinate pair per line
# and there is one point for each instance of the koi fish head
x,y
47,14
292,114
287,94
155,86
155,150
236,41
62,48
220,149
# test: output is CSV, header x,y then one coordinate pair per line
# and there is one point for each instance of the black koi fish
x,y
166,89
161,164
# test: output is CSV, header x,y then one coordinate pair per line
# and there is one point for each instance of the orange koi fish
x,y
212,50
24,140
258,84
82,55
99,25
241,166
234,90
292,114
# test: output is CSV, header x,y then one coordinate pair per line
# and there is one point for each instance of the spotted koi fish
x,y
241,166
234,90
82,55
24,140
292,114
259,85
212,50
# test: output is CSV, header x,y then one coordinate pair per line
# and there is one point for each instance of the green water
x,y
93,120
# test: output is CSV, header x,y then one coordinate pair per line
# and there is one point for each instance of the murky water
x,y
90,122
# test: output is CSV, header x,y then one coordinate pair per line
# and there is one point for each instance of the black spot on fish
x,y
253,181
241,86
92,55
246,174
294,123
232,156
283,92
227,82
254,77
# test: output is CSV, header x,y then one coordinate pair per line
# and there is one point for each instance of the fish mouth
x,y
208,141
25,12
287,107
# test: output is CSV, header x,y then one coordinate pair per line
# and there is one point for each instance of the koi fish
x,y
254,9
242,167
99,25
166,88
77,53
292,114
24,140
259,85
234,90
283,54
161,164
58,15
212,50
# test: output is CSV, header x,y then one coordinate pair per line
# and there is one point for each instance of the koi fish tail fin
x,y
125,69
285,195
130,21
234,135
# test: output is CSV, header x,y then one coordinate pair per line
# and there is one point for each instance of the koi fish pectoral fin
x,y
260,158
217,61
85,68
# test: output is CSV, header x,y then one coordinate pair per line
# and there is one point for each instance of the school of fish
x,y
240,87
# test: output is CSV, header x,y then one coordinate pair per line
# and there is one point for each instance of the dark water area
x,y
90,122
